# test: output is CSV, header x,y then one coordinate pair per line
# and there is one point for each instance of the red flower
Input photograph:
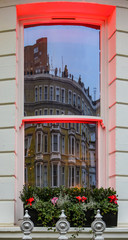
x,y
29,201
113,199
84,199
79,198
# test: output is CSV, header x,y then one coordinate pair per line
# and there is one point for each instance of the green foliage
x,y
48,214
77,212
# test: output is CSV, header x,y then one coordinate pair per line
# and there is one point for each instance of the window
x,y
63,95
45,182
38,142
45,111
71,176
51,93
36,94
27,145
40,93
57,111
68,92
63,145
57,94
62,176
78,102
54,175
45,144
69,97
40,111
39,175
71,145
45,92
78,149
55,143
74,99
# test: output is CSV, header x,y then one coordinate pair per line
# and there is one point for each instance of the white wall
x,y
7,113
118,110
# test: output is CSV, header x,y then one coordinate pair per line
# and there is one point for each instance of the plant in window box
x,y
80,205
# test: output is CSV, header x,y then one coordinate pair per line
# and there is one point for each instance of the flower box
x,y
80,205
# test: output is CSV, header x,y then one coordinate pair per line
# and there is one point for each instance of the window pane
x,y
58,155
61,69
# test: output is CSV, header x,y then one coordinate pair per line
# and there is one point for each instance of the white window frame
x,y
101,121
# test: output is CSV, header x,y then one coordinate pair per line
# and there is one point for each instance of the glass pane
x,y
61,70
70,159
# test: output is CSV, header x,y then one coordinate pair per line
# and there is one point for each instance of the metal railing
x,y
62,226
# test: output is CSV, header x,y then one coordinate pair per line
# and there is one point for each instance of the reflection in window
x,y
55,142
36,94
64,63
57,94
45,144
39,175
45,176
69,97
51,93
45,92
57,156
63,145
63,95
38,142
54,175
40,93
74,99
71,176
62,175
61,76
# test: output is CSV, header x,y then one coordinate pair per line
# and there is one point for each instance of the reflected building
x,y
58,153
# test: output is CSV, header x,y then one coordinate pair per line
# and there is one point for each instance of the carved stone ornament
x,y
27,226
98,226
62,226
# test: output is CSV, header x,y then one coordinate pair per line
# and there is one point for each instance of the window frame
x,y
81,13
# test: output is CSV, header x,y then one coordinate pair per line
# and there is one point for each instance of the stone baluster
x,y
98,226
26,226
62,226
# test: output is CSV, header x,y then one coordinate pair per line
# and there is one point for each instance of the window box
x,y
80,205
